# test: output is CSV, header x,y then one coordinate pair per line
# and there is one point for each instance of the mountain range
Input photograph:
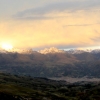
x,y
51,62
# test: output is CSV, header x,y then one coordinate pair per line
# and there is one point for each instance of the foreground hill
x,y
13,87
51,63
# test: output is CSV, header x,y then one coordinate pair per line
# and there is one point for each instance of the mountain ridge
x,y
51,64
51,50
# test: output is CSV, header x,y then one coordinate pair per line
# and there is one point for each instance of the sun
x,y
6,46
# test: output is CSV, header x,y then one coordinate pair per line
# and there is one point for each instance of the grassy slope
x,y
22,88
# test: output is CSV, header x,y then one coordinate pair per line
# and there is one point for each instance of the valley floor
x,y
74,80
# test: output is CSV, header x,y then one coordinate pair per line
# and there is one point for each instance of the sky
x,y
50,23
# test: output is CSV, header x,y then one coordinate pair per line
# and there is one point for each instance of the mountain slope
x,y
51,64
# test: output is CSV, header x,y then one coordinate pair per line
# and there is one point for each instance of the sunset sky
x,y
45,23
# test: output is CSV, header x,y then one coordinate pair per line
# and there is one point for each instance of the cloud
x,y
80,25
57,7
97,38
39,17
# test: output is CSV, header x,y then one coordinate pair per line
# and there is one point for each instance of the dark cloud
x,y
61,6
38,18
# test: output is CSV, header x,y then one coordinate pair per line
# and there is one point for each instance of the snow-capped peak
x,y
95,51
50,50
78,51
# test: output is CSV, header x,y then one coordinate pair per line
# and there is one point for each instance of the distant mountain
x,y
95,51
75,51
51,62
51,50
79,51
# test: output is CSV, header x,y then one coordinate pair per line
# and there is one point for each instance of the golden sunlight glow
x,y
6,46
73,30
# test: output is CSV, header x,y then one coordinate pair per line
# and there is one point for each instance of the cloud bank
x,y
67,6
